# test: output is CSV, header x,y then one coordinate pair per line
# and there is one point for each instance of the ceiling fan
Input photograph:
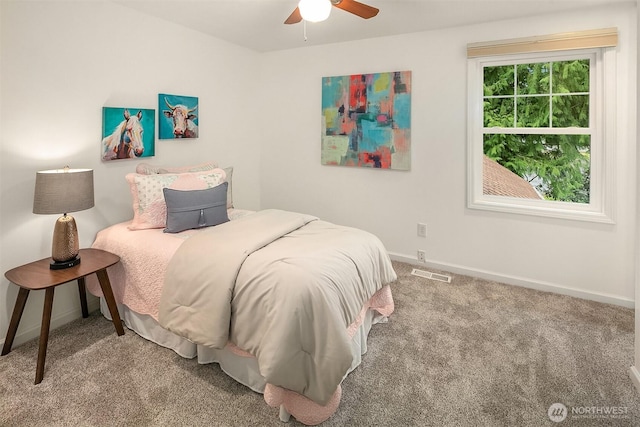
x,y
360,9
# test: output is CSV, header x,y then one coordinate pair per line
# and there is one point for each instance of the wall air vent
x,y
430,275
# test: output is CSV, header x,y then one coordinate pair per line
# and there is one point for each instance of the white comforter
x,y
280,285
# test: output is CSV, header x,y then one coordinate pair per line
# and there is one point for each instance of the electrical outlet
x,y
422,229
422,256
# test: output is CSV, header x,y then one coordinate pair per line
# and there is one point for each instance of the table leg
x,y
21,301
44,333
83,297
105,285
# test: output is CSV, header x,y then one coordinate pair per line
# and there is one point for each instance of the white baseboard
x,y
33,332
635,377
517,281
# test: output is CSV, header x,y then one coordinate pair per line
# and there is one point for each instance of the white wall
x,y
61,63
577,258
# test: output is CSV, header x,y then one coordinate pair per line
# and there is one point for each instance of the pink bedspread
x,y
138,279
141,286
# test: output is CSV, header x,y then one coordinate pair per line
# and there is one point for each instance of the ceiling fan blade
x,y
357,8
294,18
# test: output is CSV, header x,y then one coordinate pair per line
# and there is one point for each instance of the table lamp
x,y
61,191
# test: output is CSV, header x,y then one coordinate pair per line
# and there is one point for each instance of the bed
x,y
282,301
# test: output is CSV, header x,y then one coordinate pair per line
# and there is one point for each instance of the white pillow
x,y
149,169
229,172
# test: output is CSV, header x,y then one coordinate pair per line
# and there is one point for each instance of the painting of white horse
x,y
124,135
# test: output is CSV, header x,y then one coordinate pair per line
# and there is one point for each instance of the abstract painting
x,y
127,133
366,120
177,116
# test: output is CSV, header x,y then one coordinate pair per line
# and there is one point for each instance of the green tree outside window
x,y
527,108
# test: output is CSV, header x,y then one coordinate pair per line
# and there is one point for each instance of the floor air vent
x,y
430,275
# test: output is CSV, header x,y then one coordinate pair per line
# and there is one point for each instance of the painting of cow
x,y
124,135
178,118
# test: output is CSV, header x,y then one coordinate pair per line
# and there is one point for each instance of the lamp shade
x,y
314,10
61,191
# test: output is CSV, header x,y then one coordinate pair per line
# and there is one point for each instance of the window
x,y
537,140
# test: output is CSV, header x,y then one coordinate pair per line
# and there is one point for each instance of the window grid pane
x,y
523,104
559,82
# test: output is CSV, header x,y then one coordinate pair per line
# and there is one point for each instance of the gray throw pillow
x,y
195,208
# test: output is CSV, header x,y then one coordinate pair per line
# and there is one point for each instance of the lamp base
x,y
60,265
65,247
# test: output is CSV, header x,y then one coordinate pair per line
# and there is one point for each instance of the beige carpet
x,y
469,353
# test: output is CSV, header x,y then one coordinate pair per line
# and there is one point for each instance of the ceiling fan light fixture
x,y
315,10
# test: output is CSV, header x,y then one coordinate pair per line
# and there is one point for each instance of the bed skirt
x,y
243,367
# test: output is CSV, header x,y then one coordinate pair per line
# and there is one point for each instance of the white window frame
x,y
602,130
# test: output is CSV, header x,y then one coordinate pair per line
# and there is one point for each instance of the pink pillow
x,y
149,208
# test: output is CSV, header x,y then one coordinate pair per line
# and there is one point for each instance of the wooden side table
x,y
37,275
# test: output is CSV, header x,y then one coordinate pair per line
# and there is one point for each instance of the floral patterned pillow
x,y
149,208
149,169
